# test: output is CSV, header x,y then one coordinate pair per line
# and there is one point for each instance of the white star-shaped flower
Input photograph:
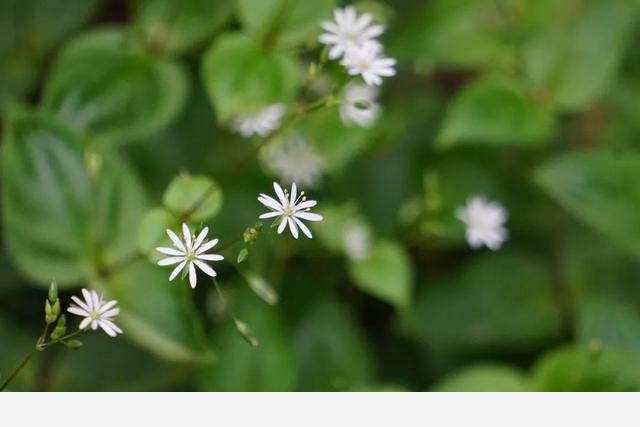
x,y
348,30
358,105
189,253
290,210
296,160
96,312
369,62
262,123
485,223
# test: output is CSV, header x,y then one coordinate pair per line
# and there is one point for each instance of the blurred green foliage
x,y
116,116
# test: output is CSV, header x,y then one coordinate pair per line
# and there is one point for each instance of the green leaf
x,y
241,77
337,218
188,192
66,212
157,315
575,55
176,26
608,322
483,378
114,93
495,302
495,111
29,30
600,188
283,22
241,367
385,274
577,369
332,353
152,230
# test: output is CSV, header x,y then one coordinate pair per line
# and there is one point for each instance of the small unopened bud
x,y
250,235
242,255
245,331
60,329
51,312
262,289
53,292
73,344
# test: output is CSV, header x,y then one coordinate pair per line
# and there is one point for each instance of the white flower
x,y
296,161
291,209
356,241
368,62
484,221
261,123
348,30
358,105
190,253
96,312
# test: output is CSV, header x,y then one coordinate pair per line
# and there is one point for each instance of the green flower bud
x,y
60,329
51,312
242,255
53,292
73,344
245,331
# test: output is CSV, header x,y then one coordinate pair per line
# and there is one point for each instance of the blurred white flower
x,y
359,105
356,242
96,312
262,123
296,160
290,210
190,253
485,223
369,62
348,30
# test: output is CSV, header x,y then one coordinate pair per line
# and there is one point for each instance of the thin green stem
x,y
62,338
17,370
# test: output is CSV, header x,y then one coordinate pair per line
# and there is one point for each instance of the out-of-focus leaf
x,y
601,189
66,212
579,369
152,230
495,111
157,315
179,25
498,301
28,31
283,22
241,77
113,92
187,192
386,274
607,322
107,364
483,377
459,33
331,350
337,218
575,55
268,367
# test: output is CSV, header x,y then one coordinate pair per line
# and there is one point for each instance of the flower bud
x,y
51,312
60,329
53,292
242,255
73,344
250,235
245,331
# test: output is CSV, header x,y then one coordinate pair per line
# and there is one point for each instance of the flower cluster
x,y
261,123
352,38
359,105
296,160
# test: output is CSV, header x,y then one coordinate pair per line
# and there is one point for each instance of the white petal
x,y
88,299
94,324
176,240
306,205
303,227
105,327
293,227
112,325
309,216
106,306
270,202
294,193
85,323
200,238
170,251
210,244
280,193
170,261
193,278
283,224
186,233
269,215
177,270
110,313
78,311
210,257
205,268
81,304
